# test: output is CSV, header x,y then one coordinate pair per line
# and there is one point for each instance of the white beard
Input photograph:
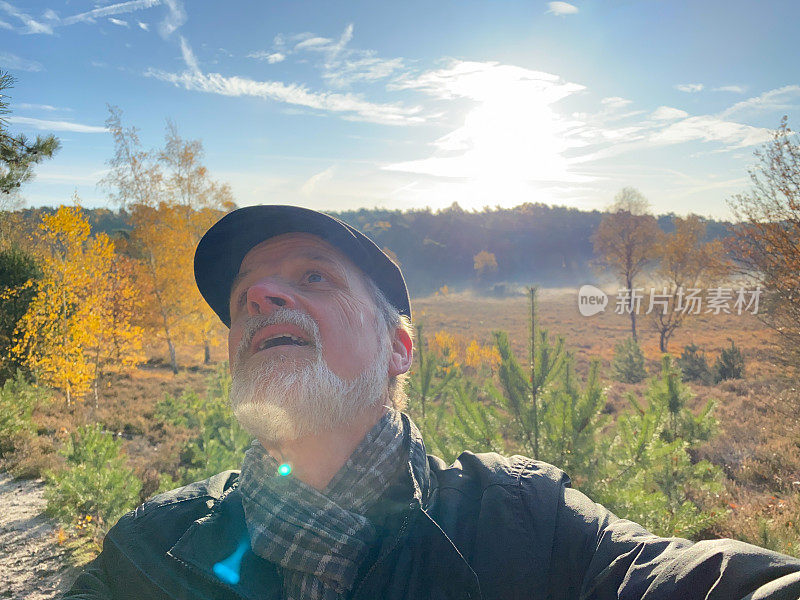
x,y
281,399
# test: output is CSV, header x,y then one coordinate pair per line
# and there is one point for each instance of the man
x,y
336,497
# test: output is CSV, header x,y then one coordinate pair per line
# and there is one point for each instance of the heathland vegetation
x,y
114,386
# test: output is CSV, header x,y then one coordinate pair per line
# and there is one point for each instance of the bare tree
x,y
686,263
625,241
766,241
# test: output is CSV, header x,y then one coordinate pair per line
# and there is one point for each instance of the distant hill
x,y
532,243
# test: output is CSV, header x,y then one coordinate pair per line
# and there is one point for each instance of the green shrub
x,y
627,365
650,477
22,452
95,480
729,365
219,442
16,269
18,398
693,365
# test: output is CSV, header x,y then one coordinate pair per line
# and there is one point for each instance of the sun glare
x,y
511,138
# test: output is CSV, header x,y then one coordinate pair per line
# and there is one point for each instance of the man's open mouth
x,y
281,340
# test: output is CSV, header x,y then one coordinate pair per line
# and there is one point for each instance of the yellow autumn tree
x,y
115,302
172,202
75,327
484,263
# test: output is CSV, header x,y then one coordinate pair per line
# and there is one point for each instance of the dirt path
x,y
32,564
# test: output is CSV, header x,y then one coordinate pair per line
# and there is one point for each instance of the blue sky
x,y
337,105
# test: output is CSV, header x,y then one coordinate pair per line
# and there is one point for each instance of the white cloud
x,y
736,89
313,42
144,26
270,57
108,11
615,102
16,63
189,57
31,25
47,107
4,25
176,16
350,105
119,22
780,99
667,113
341,66
310,185
56,125
689,88
708,128
561,8
299,95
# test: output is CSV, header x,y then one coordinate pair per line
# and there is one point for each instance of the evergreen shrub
x,y
729,365
694,366
627,365
217,442
22,452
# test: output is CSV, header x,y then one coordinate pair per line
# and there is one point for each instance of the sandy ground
x,y
32,564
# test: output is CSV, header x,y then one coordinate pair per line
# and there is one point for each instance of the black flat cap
x,y
221,250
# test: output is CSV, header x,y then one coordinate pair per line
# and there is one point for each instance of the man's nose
x,y
265,296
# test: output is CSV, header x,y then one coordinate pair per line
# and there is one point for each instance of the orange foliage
x,y
79,322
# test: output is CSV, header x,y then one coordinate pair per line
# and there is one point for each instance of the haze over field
x,y
415,104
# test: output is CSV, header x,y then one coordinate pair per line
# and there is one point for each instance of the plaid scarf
x,y
321,538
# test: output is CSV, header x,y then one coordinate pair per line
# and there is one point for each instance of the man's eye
x,y
314,277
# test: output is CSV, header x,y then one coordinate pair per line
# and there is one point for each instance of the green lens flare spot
x,y
284,469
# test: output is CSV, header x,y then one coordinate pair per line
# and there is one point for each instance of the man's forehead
x,y
292,246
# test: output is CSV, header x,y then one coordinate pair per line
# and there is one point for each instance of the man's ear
x,y
401,352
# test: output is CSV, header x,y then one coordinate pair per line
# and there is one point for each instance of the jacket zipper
x,y
383,556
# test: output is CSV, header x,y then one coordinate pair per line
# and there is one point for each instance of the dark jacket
x,y
493,527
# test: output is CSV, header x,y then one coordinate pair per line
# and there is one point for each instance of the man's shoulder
x,y
207,491
474,473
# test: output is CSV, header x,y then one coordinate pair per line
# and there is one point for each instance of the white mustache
x,y
279,316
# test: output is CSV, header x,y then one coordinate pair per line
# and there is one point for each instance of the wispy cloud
x,y
341,66
616,102
780,99
4,25
736,89
31,25
144,26
189,57
111,10
708,128
350,105
561,8
310,185
689,88
16,63
47,107
270,57
119,22
176,16
668,113
46,125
